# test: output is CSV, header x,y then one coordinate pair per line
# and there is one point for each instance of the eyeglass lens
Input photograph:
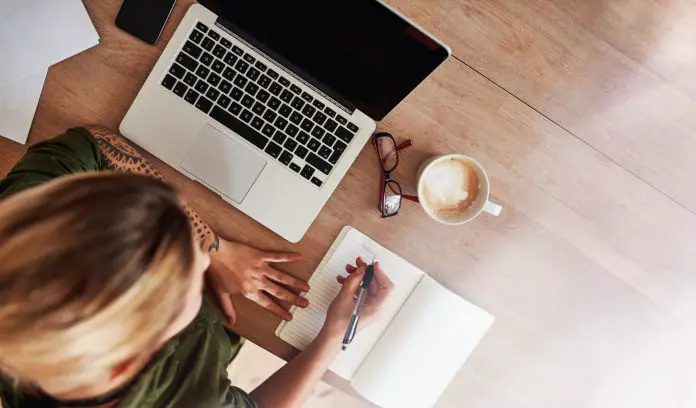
x,y
387,151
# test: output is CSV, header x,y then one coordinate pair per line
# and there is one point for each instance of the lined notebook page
x,y
306,323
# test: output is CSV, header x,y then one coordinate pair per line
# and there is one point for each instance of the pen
x,y
355,316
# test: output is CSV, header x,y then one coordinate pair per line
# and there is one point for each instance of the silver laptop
x,y
269,102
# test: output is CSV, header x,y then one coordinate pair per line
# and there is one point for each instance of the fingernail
x,y
288,317
306,288
303,302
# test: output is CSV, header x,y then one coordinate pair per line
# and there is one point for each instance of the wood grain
x,y
589,268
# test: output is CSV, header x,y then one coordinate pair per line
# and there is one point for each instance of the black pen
x,y
362,294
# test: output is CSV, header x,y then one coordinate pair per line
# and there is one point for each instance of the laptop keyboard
x,y
264,107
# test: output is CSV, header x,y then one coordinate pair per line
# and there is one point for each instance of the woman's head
x,y
95,270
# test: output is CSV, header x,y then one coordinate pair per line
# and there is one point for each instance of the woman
x,y
102,277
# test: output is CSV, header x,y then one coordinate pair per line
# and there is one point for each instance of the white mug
x,y
480,204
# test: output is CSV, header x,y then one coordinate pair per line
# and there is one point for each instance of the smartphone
x,y
144,19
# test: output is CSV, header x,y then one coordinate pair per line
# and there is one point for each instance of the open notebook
x,y
424,335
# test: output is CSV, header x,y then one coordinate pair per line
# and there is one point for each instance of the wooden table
x,y
583,113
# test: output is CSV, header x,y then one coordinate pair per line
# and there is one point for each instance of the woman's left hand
x,y
238,268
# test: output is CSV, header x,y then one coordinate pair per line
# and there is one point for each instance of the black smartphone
x,y
144,19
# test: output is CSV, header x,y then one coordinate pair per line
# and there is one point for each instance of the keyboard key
x,y
307,172
280,123
319,118
214,35
279,137
257,123
330,112
235,108
237,50
230,58
177,70
329,139
240,81
353,127
264,81
206,59
208,43
286,96
219,51
261,66
333,159
317,104
202,27
201,86
319,163
191,96
344,134
204,104
169,82
218,66
340,147
314,144
290,144
301,152
229,74
340,119
292,130
296,89
309,110
241,66
330,125
236,93
192,49
196,36
303,137
285,158
248,133
226,43
284,81
285,110
316,182
273,150
318,132
187,61
294,167
275,88
271,73
297,103
258,108
212,94
324,152
251,88
263,96
296,117
269,115
247,101
246,115
307,97
253,73
274,103
268,130
224,101
225,86
249,58
190,79
203,71
214,79
307,125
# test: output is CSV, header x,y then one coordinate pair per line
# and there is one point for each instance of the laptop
x,y
269,102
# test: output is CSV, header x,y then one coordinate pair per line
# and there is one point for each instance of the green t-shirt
x,y
190,371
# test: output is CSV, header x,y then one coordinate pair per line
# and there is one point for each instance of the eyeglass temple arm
x,y
410,198
403,145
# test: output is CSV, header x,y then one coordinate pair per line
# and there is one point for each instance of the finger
x,y
280,292
267,303
350,268
352,283
340,279
284,278
279,257
360,262
227,307
381,278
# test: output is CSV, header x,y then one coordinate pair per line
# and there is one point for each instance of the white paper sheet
x,y
18,103
306,323
35,34
424,347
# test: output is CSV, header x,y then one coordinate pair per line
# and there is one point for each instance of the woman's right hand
x,y
339,313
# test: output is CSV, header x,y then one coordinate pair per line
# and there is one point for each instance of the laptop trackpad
x,y
223,164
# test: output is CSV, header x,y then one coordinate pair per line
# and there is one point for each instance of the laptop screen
x,y
356,51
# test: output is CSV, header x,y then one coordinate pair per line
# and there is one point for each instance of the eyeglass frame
x,y
386,179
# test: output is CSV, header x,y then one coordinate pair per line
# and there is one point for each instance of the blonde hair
x,y
93,269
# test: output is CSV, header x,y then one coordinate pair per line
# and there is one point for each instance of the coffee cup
x,y
454,189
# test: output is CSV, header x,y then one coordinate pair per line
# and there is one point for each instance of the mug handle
x,y
492,208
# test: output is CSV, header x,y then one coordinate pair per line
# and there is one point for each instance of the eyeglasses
x,y
390,191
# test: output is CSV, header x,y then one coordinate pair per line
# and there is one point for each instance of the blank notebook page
x,y
306,323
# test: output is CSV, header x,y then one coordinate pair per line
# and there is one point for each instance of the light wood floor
x,y
583,112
